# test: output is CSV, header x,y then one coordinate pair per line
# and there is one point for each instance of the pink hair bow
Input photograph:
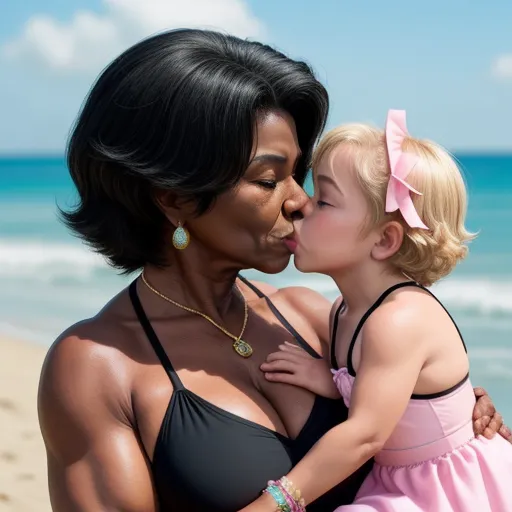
x,y
398,195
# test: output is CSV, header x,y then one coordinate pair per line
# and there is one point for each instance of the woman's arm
x,y
95,461
486,419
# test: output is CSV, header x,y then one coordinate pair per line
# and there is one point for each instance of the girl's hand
x,y
293,365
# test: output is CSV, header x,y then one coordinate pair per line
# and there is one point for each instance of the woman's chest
x,y
208,369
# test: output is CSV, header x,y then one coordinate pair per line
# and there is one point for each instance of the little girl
x,y
386,222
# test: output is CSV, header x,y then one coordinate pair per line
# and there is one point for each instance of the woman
x,y
189,156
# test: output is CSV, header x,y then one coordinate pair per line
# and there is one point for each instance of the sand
x,y
23,481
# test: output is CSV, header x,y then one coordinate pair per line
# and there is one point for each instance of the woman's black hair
x,y
177,111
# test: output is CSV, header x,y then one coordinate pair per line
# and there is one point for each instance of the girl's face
x,y
332,238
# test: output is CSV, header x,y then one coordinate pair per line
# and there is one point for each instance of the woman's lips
x,y
291,243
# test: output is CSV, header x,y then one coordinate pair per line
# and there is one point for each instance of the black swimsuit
x,y
208,459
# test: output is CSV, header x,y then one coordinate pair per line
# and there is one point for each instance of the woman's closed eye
x,y
322,204
270,184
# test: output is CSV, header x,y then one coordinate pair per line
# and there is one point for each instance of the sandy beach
x,y
23,485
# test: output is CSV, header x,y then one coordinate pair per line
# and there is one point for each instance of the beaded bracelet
x,y
279,497
286,495
295,493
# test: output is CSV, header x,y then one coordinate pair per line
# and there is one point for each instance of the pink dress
x,y
433,462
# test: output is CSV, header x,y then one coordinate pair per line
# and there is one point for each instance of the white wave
x,y
30,259
492,353
482,295
492,362
479,322
477,293
498,371
474,294
44,262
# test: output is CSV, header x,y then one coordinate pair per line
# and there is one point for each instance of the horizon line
x,y
28,155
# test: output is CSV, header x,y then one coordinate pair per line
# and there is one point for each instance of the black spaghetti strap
x,y
256,290
449,315
153,338
298,338
375,305
334,362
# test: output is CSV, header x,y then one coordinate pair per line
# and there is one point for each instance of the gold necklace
x,y
241,347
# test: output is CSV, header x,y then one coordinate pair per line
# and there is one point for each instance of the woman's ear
x,y
389,242
175,208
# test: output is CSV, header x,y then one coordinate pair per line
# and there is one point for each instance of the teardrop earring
x,y
180,237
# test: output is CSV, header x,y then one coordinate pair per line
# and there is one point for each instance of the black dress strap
x,y
298,338
334,362
376,304
152,337
449,315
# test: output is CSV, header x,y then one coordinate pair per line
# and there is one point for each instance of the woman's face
x,y
248,225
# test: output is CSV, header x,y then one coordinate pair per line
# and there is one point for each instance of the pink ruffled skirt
x,y
477,477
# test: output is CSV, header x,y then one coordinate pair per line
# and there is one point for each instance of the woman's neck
x,y
208,287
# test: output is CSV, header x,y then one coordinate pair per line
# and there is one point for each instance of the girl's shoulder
x,y
409,314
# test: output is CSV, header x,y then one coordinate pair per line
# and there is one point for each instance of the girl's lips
x,y
291,243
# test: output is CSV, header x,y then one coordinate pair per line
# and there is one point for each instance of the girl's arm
x,y
392,355
295,367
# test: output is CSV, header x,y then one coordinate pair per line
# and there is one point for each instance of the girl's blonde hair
x,y
425,255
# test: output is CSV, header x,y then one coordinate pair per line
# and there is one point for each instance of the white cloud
x,y
91,40
502,67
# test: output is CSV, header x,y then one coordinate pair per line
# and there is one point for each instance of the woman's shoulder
x,y
310,305
86,351
105,334
98,338
306,300
303,299
85,400
91,360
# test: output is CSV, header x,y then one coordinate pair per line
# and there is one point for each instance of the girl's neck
x,y
361,287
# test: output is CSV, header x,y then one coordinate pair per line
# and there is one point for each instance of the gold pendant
x,y
242,348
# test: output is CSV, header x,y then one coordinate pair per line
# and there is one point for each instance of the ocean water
x,y
49,280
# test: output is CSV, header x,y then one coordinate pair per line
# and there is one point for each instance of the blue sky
x,y
449,65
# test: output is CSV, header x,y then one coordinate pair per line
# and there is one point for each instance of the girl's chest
x,y
344,343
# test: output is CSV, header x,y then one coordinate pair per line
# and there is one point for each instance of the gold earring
x,y
180,237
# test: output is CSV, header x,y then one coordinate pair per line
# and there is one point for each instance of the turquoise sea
x,y
50,280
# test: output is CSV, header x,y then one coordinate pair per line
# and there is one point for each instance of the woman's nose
x,y
307,208
304,211
293,207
